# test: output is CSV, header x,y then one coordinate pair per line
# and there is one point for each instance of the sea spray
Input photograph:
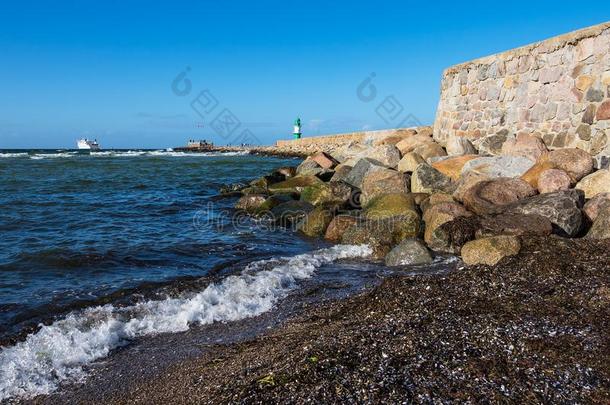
x,y
58,352
165,153
13,155
115,154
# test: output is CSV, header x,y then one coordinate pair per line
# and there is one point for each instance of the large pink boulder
x,y
553,180
524,145
324,160
575,162
410,143
491,196
596,204
429,150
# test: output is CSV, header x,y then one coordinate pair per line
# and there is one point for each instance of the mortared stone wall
x,y
557,90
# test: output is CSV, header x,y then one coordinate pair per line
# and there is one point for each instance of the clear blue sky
x,y
105,69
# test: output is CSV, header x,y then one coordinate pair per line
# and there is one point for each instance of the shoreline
x,y
361,193
147,358
532,328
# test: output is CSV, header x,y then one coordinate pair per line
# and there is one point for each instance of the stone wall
x,y
358,137
558,90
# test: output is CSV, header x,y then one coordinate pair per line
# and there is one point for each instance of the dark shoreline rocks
x,y
490,196
562,208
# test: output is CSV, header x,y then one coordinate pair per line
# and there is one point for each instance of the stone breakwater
x,y
329,143
332,141
409,200
557,90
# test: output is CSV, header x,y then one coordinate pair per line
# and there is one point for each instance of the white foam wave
x,y
168,153
13,155
39,156
126,153
111,153
197,154
59,351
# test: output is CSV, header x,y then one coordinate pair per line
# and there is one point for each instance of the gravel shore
x,y
533,328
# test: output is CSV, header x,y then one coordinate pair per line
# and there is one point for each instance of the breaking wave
x,y
58,352
117,153
13,155
170,153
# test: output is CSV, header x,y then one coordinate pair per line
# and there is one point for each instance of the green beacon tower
x,y
297,129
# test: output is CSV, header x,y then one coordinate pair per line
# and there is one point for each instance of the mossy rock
x,y
390,205
338,226
383,235
272,202
315,223
232,188
260,183
309,167
317,194
394,214
379,182
265,181
327,194
370,233
290,212
295,184
254,190
407,225
250,203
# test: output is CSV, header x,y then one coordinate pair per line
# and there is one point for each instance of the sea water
x,y
98,249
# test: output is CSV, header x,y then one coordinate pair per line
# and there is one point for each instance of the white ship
x,y
88,144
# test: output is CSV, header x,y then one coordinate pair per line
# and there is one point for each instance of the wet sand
x,y
534,328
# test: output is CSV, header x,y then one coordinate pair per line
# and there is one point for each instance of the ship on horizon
x,y
87,144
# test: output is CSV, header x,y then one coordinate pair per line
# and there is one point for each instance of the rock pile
x,y
409,198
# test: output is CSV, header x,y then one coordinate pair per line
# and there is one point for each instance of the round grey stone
x,y
408,252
